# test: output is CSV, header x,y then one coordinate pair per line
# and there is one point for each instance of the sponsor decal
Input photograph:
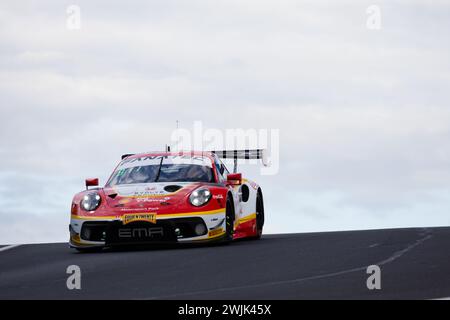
x,y
253,185
140,232
149,200
143,192
146,193
147,217
140,209
124,201
218,196
213,233
156,160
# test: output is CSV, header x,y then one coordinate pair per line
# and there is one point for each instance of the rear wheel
x,y
229,220
259,215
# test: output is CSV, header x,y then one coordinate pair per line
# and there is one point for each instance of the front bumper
x,y
89,232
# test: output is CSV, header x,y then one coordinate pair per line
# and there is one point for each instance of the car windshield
x,y
163,169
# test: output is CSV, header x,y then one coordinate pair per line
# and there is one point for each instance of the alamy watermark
x,y
74,280
374,280
373,21
73,20
211,139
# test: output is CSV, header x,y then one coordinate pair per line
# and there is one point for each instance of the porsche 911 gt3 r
x,y
166,197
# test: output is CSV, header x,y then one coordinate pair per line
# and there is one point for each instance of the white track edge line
x,y
9,247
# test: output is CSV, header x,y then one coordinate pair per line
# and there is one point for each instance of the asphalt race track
x,y
415,264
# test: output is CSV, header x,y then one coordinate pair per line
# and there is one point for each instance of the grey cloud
x,y
363,115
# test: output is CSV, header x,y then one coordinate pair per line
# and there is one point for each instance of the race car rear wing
x,y
242,154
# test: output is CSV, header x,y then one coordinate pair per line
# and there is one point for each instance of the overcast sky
x,y
363,114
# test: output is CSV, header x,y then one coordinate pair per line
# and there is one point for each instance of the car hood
x,y
148,195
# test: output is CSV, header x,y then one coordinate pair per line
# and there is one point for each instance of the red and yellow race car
x,y
168,197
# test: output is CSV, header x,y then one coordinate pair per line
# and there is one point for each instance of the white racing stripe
x,y
9,247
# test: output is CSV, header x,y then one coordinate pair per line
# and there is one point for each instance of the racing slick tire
x,y
229,220
259,215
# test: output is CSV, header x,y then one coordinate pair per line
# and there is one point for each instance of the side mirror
x,y
92,182
234,179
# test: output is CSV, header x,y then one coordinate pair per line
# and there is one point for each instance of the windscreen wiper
x,y
159,169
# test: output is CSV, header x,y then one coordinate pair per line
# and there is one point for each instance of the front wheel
x,y
229,220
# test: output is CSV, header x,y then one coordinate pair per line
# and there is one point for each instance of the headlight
x,y
200,197
90,201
